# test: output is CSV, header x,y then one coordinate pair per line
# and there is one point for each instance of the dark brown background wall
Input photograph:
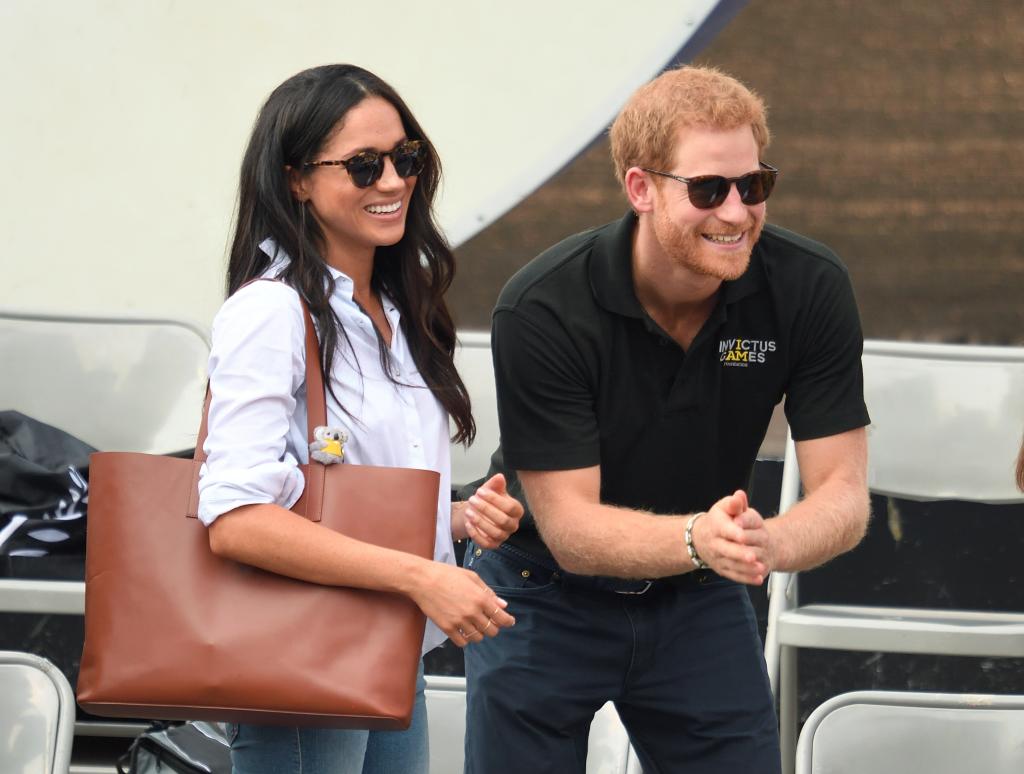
x,y
899,130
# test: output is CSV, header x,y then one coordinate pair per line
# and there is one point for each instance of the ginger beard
x,y
689,248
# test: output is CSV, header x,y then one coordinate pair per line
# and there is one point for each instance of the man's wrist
x,y
691,549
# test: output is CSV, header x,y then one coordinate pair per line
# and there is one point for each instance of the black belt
x,y
544,569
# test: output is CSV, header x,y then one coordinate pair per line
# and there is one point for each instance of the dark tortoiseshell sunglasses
x,y
366,167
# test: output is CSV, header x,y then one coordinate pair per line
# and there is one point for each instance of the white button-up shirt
x,y
257,424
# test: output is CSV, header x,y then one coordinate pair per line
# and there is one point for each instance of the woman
x,y
335,198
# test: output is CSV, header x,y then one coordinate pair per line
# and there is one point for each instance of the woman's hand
x,y
461,604
492,514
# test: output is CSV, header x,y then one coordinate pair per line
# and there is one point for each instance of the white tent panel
x,y
125,122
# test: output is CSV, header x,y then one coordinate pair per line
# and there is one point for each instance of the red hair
x,y
646,130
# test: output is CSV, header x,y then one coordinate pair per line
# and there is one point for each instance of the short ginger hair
x,y
645,131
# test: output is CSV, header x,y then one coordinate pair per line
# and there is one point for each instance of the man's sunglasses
x,y
708,191
365,168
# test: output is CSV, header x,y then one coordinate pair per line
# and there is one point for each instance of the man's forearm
x,y
619,542
592,538
828,522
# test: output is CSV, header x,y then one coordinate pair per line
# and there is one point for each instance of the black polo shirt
x,y
586,377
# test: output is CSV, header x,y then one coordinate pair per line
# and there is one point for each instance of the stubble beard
x,y
689,249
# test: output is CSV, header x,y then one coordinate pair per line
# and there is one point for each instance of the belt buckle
x,y
644,590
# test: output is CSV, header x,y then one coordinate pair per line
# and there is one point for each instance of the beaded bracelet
x,y
699,563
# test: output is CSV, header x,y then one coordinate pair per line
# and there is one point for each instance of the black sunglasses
x,y
708,191
365,168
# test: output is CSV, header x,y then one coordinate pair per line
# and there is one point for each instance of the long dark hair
x,y
296,121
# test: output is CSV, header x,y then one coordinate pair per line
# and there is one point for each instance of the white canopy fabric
x,y
125,122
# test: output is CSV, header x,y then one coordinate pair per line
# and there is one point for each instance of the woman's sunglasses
x,y
365,168
708,191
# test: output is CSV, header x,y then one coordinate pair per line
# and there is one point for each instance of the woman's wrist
x,y
411,574
459,531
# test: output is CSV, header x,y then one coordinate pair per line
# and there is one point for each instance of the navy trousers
x,y
682,662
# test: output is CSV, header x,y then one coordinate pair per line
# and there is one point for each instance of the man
x,y
637,367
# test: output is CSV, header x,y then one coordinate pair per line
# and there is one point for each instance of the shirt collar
x,y
751,281
611,271
279,259
611,268
342,282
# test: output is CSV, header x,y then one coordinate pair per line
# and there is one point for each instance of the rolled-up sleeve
x,y
257,365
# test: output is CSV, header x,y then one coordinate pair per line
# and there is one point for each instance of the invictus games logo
x,y
744,352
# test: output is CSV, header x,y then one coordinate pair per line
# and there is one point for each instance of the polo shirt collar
x,y
611,271
752,280
611,268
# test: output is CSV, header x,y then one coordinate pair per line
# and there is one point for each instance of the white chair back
x,y
119,384
894,732
37,715
946,420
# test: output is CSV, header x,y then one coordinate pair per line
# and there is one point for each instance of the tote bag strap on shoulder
x,y
316,416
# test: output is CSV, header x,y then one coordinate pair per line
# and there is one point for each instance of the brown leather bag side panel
x,y
175,632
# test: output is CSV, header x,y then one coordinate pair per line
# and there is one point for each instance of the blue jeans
x,y
682,662
290,750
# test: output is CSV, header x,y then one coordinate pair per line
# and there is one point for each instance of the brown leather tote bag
x,y
173,631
